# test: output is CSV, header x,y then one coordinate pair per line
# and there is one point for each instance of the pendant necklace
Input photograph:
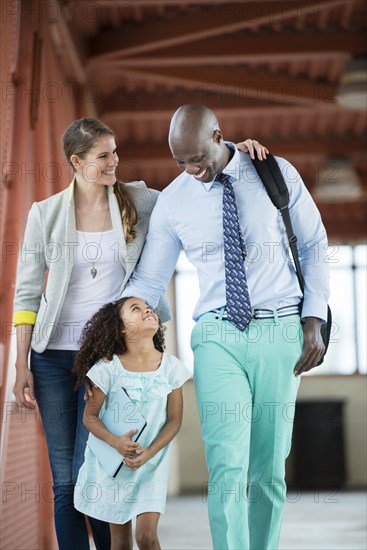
x,y
93,270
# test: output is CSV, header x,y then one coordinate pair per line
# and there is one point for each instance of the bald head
x,y
196,142
192,122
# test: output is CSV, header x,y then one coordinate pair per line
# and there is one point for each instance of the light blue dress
x,y
131,492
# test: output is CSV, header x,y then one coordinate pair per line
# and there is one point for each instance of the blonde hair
x,y
78,139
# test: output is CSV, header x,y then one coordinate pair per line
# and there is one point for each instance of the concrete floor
x,y
312,521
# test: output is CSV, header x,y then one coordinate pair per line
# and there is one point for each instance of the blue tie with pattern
x,y
237,296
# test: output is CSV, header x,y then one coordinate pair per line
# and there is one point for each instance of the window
x,y
348,283
187,294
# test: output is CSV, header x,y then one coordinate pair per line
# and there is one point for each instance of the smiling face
x,y
137,315
196,142
202,158
100,162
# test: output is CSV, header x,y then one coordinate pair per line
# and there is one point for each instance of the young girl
x,y
123,346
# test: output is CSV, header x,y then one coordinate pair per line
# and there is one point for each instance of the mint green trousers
x,y
246,392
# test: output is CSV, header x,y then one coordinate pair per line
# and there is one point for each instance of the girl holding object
x,y
123,346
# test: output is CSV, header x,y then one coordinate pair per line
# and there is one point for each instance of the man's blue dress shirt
x,y
188,215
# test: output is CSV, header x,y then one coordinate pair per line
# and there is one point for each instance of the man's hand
x,y
24,387
250,146
313,347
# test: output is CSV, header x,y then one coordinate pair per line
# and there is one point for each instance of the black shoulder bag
x,y
272,178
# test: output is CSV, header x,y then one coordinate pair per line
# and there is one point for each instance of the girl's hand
x,y
251,145
143,455
125,446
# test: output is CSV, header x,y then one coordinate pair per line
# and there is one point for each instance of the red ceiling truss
x,y
270,70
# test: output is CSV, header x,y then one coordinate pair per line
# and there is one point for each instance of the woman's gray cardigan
x,y
49,245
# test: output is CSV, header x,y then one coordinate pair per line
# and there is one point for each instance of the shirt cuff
x,y
24,318
314,308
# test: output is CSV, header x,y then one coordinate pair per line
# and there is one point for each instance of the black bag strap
x,y
272,178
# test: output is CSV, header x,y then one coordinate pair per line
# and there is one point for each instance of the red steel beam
x,y
255,49
209,21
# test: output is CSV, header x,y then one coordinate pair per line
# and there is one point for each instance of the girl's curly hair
x,y
102,337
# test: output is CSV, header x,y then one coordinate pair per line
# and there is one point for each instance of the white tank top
x,y
85,295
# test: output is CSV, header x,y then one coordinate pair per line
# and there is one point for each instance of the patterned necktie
x,y
237,296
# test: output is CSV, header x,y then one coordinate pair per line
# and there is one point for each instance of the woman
x,y
87,239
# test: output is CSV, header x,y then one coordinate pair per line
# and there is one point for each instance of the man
x,y
248,344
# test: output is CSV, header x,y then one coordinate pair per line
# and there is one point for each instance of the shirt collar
x,y
71,190
232,168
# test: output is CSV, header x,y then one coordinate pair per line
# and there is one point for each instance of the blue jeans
x,y
61,409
